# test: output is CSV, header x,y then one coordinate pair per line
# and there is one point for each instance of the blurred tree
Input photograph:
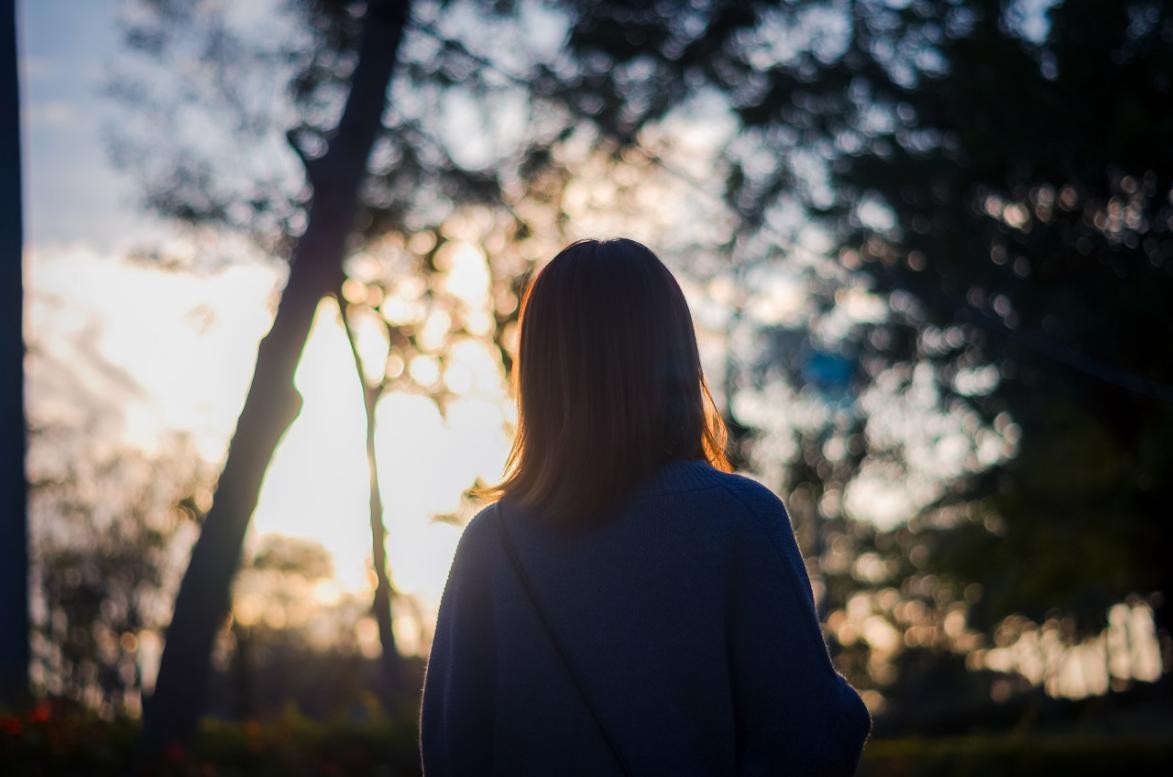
x,y
278,578
14,588
1008,183
1000,172
110,531
272,402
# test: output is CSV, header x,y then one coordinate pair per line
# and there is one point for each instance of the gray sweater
x,y
688,619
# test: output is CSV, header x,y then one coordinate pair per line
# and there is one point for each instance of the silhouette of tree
x,y
272,402
14,614
108,530
1010,194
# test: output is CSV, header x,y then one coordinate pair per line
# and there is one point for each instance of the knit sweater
x,y
688,619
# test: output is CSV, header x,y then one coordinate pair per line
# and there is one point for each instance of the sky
x,y
72,191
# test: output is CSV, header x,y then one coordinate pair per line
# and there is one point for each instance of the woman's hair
x,y
608,380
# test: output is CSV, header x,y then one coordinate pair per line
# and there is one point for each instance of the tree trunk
x,y
390,662
272,402
14,568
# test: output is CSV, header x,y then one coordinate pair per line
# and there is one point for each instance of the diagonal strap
x,y
507,541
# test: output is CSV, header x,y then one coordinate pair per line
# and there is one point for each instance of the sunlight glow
x,y
466,273
1126,650
316,487
181,356
143,349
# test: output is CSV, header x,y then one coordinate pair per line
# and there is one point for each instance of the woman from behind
x,y
627,606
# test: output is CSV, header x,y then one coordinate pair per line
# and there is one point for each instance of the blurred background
x,y
928,247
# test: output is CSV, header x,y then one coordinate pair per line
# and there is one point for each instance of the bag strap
x,y
511,551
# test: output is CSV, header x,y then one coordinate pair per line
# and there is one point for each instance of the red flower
x,y
40,713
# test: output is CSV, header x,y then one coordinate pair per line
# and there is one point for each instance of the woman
x,y
628,606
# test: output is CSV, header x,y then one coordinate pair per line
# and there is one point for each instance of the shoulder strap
x,y
511,551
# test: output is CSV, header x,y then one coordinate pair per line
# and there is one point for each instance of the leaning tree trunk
x,y
14,568
272,403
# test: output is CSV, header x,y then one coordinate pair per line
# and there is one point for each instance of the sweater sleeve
x,y
795,713
456,709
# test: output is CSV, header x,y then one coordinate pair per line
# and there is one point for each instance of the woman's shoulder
x,y
757,497
732,485
474,537
737,500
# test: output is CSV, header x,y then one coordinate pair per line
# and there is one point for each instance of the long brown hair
x,y
608,381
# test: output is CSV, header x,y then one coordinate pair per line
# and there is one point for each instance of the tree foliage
x,y
1005,179
111,531
972,200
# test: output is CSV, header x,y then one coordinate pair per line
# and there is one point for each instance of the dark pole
x,y
14,556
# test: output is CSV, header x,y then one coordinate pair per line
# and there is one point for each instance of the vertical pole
x,y
14,555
